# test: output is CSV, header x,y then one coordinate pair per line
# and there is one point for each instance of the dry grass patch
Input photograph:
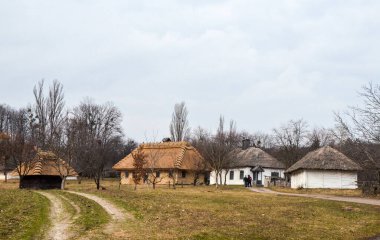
x,y
324,191
235,213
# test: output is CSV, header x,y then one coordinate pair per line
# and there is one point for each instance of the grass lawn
x,y
24,214
235,213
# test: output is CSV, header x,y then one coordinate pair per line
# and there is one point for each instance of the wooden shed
x,y
324,168
45,172
177,162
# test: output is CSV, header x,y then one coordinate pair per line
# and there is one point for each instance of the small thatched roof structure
x,y
252,157
325,158
166,155
48,164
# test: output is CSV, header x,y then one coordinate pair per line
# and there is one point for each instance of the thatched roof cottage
x,y
254,162
45,172
325,167
170,161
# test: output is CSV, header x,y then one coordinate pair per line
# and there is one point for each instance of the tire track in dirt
x,y
60,219
118,215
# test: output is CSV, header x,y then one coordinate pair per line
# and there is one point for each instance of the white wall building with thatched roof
x,y
324,168
253,162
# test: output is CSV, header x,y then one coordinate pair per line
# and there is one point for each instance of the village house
x,y
169,162
254,162
325,167
46,172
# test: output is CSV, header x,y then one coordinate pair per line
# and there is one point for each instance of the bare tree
x,y
99,135
179,126
21,145
290,138
49,112
365,119
64,147
4,156
217,149
360,128
153,174
5,118
320,137
138,164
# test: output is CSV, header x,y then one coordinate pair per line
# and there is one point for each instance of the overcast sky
x,y
260,63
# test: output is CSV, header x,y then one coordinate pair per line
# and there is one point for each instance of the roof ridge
x,y
179,159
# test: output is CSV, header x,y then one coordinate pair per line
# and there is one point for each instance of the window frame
x,y
241,176
232,175
277,174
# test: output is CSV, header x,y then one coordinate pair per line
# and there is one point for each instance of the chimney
x,y
166,140
246,143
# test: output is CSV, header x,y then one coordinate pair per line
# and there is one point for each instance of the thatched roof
x,y
48,164
166,155
252,157
325,158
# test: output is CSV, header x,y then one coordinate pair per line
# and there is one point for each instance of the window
x,y
158,174
171,173
126,174
241,175
275,174
183,174
231,175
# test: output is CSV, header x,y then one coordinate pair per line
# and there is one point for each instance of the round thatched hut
x,y
324,168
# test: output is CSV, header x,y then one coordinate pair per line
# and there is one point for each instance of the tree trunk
x,y
63,183
154,184
6,176
97,182
216,179
19,183
225,178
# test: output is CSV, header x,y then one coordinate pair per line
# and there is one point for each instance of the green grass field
x,y
24,214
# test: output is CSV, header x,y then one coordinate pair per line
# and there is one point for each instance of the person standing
x,y
249,181
245,179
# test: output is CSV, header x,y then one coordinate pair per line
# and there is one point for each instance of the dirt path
x,y
368,201
60,219
114,227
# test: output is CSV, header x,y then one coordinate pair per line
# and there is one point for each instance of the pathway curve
x,y
60,219
368,201
118,215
